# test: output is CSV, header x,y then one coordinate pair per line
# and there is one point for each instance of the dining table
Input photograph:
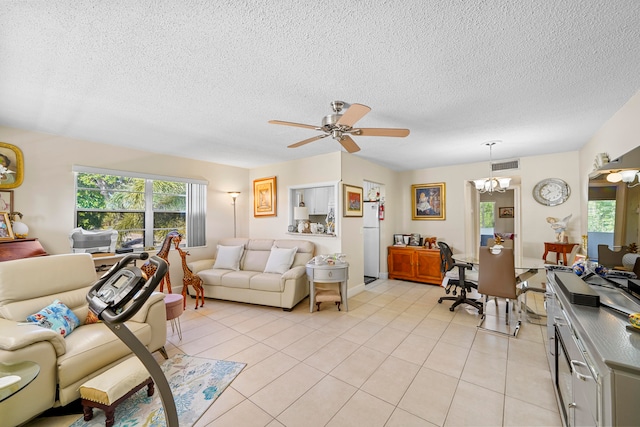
x,y
526,268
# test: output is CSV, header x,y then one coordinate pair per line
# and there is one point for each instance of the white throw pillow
x,y
280,260
228,257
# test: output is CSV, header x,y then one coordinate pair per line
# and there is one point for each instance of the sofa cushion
x,y
213,277
57,317
280,260
92,347
271,282
228,257
238,279
304,253
255,260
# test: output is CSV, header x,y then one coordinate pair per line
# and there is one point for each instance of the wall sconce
x,y
234,195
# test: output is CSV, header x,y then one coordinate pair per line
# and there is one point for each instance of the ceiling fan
x,y
339,126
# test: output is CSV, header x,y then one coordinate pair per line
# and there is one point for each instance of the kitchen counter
x,y
611,351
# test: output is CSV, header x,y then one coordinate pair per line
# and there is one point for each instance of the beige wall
x,y
534,230
46,197
619,135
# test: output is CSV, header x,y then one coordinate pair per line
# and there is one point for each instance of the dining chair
x,y
609,258
458,277
497,278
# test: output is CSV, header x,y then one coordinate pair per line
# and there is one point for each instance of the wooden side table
x,y
558,248
328,274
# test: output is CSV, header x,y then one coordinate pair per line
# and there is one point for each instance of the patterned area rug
x,y
195,383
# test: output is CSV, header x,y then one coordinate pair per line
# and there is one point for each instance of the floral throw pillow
x,y
57,317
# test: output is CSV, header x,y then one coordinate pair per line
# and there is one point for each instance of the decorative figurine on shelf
x,y
331,221
20,229
560,227
430,242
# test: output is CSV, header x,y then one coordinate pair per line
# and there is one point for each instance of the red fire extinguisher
x,y
381,212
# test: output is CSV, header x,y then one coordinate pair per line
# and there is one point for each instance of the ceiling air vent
x,y
510,164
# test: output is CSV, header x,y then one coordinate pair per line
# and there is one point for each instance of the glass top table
x,y
530,265
16,376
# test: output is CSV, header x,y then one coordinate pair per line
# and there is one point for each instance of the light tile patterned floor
x,y
397,358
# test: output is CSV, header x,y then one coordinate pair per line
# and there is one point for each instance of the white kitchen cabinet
x,y
317,200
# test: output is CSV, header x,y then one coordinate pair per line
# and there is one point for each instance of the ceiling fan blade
x,y
354,113
381,132
298,125
306,141
349,144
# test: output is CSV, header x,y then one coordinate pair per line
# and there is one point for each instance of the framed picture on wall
x,y
264,197
505,212
11,166
428,201
6,201
352,200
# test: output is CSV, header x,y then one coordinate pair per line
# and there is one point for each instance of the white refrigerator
x,y
371,232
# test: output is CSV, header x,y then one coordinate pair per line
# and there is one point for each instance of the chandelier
x,y
491,184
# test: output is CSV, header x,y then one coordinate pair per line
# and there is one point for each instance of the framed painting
x,y
6,232
11,166
264,197
6,201
352,200
398,240
505,212
428,201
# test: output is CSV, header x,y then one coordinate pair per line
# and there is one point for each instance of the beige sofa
x,y
249,282
27,286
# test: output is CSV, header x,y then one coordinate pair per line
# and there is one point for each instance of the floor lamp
x,y
234,195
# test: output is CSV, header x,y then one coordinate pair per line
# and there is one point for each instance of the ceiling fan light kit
x,y
340,126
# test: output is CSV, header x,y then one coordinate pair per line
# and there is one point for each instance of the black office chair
x,y
459,280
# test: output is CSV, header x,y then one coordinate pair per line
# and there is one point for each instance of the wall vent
x,y
510,164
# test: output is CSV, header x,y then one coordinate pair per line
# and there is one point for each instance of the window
x,y
487,221
143,208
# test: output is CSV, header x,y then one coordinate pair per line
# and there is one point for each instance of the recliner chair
x,y
458,277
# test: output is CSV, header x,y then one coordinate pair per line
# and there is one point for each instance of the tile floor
x,y
397,358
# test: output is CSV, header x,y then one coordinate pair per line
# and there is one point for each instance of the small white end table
x,y
326,273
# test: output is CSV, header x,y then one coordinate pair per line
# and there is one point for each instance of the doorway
x,y
492,213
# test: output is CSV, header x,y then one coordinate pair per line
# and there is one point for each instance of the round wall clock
x,y
551,192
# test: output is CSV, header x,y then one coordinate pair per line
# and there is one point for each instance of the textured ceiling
x,y
201,78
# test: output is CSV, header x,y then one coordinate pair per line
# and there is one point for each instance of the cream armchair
x,y
28,285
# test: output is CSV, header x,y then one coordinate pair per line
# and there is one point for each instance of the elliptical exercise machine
x,y
108,299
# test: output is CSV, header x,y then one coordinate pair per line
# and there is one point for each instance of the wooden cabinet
x,y
20,248
414,263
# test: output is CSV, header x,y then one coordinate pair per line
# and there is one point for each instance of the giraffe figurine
x,y
190,279
163,253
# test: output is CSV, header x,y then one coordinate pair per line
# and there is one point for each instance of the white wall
x,y
46,197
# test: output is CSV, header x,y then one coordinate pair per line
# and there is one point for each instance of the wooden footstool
x,y
112,387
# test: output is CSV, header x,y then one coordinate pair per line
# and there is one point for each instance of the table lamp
x,y
301,214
